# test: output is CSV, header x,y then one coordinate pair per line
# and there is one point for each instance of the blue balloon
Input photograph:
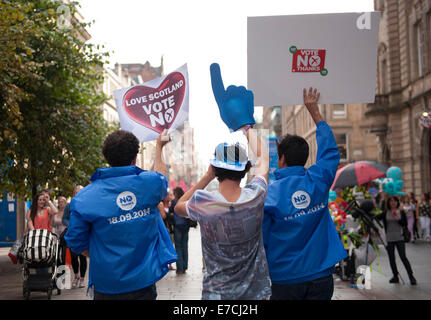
x,y
394,173
398,185
332,196
236,104
389,187
393,187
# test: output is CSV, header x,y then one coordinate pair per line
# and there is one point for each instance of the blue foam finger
x,y
217,83
236,104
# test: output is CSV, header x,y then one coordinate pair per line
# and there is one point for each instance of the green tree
x,y
52,127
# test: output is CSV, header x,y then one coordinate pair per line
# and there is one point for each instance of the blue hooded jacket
x,y
299,236
117,219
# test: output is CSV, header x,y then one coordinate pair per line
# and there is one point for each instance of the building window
x,y
419,48
339,111
341,140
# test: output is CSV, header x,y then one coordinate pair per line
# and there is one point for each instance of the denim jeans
x,y
181,240
148,293
319,289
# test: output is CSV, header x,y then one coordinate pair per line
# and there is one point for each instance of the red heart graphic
x,y
156,108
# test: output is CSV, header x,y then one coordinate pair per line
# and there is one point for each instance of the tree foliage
x,y
52,125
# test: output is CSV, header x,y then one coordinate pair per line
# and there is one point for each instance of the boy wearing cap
x,y
231,218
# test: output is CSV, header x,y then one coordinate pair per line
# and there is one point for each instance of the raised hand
x,y
236,104
310,101
311,98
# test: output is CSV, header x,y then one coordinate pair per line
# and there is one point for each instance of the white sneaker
x,y
75,283
82,283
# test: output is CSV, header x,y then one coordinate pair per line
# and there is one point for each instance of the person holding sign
x,y
301,242
231,218
115,221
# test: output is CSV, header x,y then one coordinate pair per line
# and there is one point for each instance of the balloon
x,y
332,196
394,173
393,184
393,187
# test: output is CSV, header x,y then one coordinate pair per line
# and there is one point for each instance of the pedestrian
x,y
115,221
410,211
39,216
414,204
169,219
301,242
230,218
394,220
79,261
66,214
59,227
181,234
424,212
429,228
41,211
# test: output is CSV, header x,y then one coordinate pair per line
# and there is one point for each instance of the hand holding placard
x,y
236,104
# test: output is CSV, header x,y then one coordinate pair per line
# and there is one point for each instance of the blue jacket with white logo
x,y
299,236
117,219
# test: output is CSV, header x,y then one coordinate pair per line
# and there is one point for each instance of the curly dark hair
x,y
120,148
223,174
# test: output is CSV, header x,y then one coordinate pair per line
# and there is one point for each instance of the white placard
x,y
335,53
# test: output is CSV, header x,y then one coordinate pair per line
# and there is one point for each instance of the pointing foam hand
x,y
236,104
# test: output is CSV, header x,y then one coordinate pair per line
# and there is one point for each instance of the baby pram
x,y
40,252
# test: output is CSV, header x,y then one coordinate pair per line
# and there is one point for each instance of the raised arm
x,y
52,210
161,208
159,164
328,156
260,149
180,207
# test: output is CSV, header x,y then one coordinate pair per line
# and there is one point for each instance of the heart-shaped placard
x,y
156,108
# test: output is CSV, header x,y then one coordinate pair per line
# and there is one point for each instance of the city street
x,y
189,285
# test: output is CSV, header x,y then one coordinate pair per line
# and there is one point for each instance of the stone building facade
x,y
350,127
403,90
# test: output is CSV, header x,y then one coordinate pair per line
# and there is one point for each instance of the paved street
x,y
189,285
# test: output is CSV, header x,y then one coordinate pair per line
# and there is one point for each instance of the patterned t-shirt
x,y
232,245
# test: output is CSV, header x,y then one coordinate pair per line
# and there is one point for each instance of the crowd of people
x,y
417,211
259,241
